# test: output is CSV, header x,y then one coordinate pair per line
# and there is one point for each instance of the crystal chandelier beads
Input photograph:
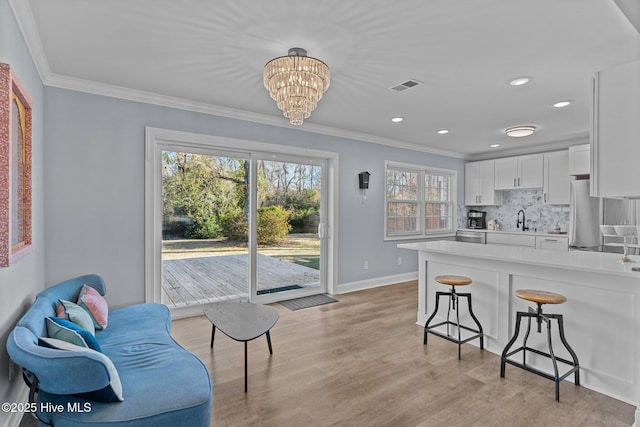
x,y
296,82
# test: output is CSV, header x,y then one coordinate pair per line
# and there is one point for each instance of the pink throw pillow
x,y
60,311
95,304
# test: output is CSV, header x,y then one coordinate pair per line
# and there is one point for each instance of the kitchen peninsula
x,y
601,315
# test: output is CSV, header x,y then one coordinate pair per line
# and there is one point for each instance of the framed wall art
x,y
15,168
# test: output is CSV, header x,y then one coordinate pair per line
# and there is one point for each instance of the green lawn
x,y
303,249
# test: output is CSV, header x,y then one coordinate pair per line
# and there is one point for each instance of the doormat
x,y
280,289
306,302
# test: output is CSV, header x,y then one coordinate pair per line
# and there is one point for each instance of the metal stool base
x,y
453,298
556,377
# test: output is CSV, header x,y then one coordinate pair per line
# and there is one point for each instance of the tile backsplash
x,y
538,215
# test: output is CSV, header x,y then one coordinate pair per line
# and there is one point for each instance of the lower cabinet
x,y
511,239
548,243
552,243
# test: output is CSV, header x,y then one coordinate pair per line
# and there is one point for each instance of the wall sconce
x,y
363,184
363,180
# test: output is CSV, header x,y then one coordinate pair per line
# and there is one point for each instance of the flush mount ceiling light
x,y
443,131
296,82
520,131
397,119
519,81
561,104
494,145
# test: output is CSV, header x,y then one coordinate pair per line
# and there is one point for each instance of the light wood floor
x,y
361,362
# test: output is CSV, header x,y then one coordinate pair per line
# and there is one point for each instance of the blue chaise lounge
x,y
160,383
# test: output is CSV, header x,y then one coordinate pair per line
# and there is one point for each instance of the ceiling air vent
x,y
406,85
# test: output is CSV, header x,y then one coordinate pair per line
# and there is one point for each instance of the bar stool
x,y
453,281
540,298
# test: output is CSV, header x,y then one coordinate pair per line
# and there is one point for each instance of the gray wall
x,y
20,282
94,188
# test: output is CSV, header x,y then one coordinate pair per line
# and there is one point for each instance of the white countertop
x,y
597,262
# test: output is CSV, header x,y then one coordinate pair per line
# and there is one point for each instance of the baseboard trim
x,y
14,418
375,282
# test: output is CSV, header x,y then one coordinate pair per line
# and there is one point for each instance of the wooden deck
x,y
204,280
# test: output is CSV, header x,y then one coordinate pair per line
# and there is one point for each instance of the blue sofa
x,y
162,383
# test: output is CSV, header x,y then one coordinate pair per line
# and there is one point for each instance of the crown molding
x,y
578,139
27,25
86,86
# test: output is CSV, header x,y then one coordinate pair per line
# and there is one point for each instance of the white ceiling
x,y
208,55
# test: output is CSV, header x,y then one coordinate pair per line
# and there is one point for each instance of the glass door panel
x,y
289,217
205,211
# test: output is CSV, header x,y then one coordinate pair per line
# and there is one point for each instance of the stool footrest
x,y
449,337
538,371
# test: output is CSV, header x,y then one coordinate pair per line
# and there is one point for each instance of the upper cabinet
x,y
615,132
580,160
556,179
519,172
479,184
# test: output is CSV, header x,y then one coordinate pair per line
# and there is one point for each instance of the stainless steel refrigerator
x,y
588,213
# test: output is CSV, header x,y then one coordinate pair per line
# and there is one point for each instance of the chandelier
x,y
296,82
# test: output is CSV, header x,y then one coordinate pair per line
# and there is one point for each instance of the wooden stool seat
x,y
452,280
542,297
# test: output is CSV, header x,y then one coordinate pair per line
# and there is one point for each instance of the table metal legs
x,y
213,334
269,342
245,366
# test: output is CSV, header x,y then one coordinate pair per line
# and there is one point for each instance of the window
x,y
419,201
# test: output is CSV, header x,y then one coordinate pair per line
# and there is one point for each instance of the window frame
x,y
421,232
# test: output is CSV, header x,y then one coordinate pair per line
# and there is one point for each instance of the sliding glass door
x,y
238,225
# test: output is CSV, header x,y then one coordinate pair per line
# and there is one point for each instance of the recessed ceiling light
x,y
494,145
397,119
519,81
520,131
443,131
561,104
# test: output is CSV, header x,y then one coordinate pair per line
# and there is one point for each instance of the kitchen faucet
x,y
521,222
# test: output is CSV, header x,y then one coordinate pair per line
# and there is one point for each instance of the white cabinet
x,y
556,178
580,160
555,243
542,242
519,172
615,132
478,184
511,239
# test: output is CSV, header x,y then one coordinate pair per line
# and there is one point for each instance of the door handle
x,y
514,182
320,231
518,182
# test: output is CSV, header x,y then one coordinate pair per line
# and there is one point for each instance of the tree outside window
x,y
419,201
